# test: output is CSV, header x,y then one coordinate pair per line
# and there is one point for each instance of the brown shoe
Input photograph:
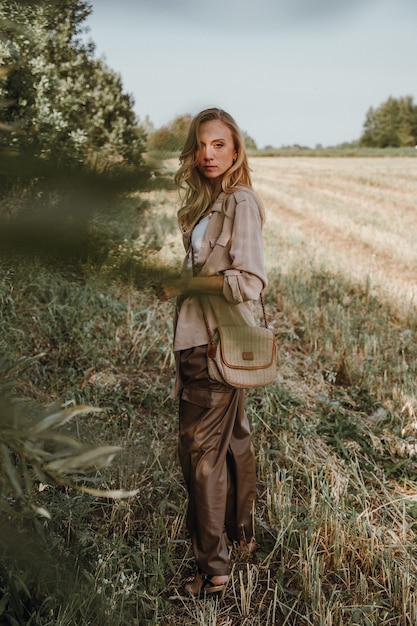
x,y
247,548
201,584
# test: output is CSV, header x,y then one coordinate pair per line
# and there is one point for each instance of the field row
x,y
355,216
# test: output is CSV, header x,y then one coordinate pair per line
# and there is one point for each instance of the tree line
x,y
391,125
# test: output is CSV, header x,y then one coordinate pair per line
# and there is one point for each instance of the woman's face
x,y
217,152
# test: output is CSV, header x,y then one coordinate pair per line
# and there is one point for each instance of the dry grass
x,y
353,215
335,437
336,528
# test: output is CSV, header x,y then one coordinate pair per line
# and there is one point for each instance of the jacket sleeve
x,y
246,277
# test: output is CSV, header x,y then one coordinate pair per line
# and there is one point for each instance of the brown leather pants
x,y
218,463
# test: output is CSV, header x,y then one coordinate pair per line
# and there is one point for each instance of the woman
x,y
221,276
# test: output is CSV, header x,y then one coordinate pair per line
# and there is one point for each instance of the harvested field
x,y
357,216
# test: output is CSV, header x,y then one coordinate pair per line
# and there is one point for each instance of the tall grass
x,y
335,439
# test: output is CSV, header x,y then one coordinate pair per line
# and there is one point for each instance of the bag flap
x,y
246,347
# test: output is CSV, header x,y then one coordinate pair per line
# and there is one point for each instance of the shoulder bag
x,y
241,356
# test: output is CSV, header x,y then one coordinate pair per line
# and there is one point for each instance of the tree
x,y
62,102
392,124
250,143
171,137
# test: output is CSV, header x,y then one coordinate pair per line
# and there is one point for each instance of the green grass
x,y
335,440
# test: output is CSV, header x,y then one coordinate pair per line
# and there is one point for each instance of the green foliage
x,y
35,450
58,101
39,452
250,143
170,138
392,125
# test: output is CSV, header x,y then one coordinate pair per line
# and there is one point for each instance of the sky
x,y
289,71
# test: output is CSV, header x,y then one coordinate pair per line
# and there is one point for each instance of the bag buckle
x,y
248,356
212,350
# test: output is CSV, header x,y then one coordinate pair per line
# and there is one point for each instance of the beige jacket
x,y
233,246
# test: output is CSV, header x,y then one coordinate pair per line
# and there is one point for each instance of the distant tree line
x,y
171,137
391,125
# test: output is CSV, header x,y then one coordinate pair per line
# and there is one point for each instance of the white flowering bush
x,y
58,101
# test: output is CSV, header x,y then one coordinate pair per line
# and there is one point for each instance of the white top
x,y
197,239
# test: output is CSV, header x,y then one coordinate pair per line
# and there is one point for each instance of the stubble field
x,y
353,215
335,435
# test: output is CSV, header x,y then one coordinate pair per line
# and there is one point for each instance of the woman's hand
x,y
168,289
172,288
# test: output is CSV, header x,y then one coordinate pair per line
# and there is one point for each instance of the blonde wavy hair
x,y
195,190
